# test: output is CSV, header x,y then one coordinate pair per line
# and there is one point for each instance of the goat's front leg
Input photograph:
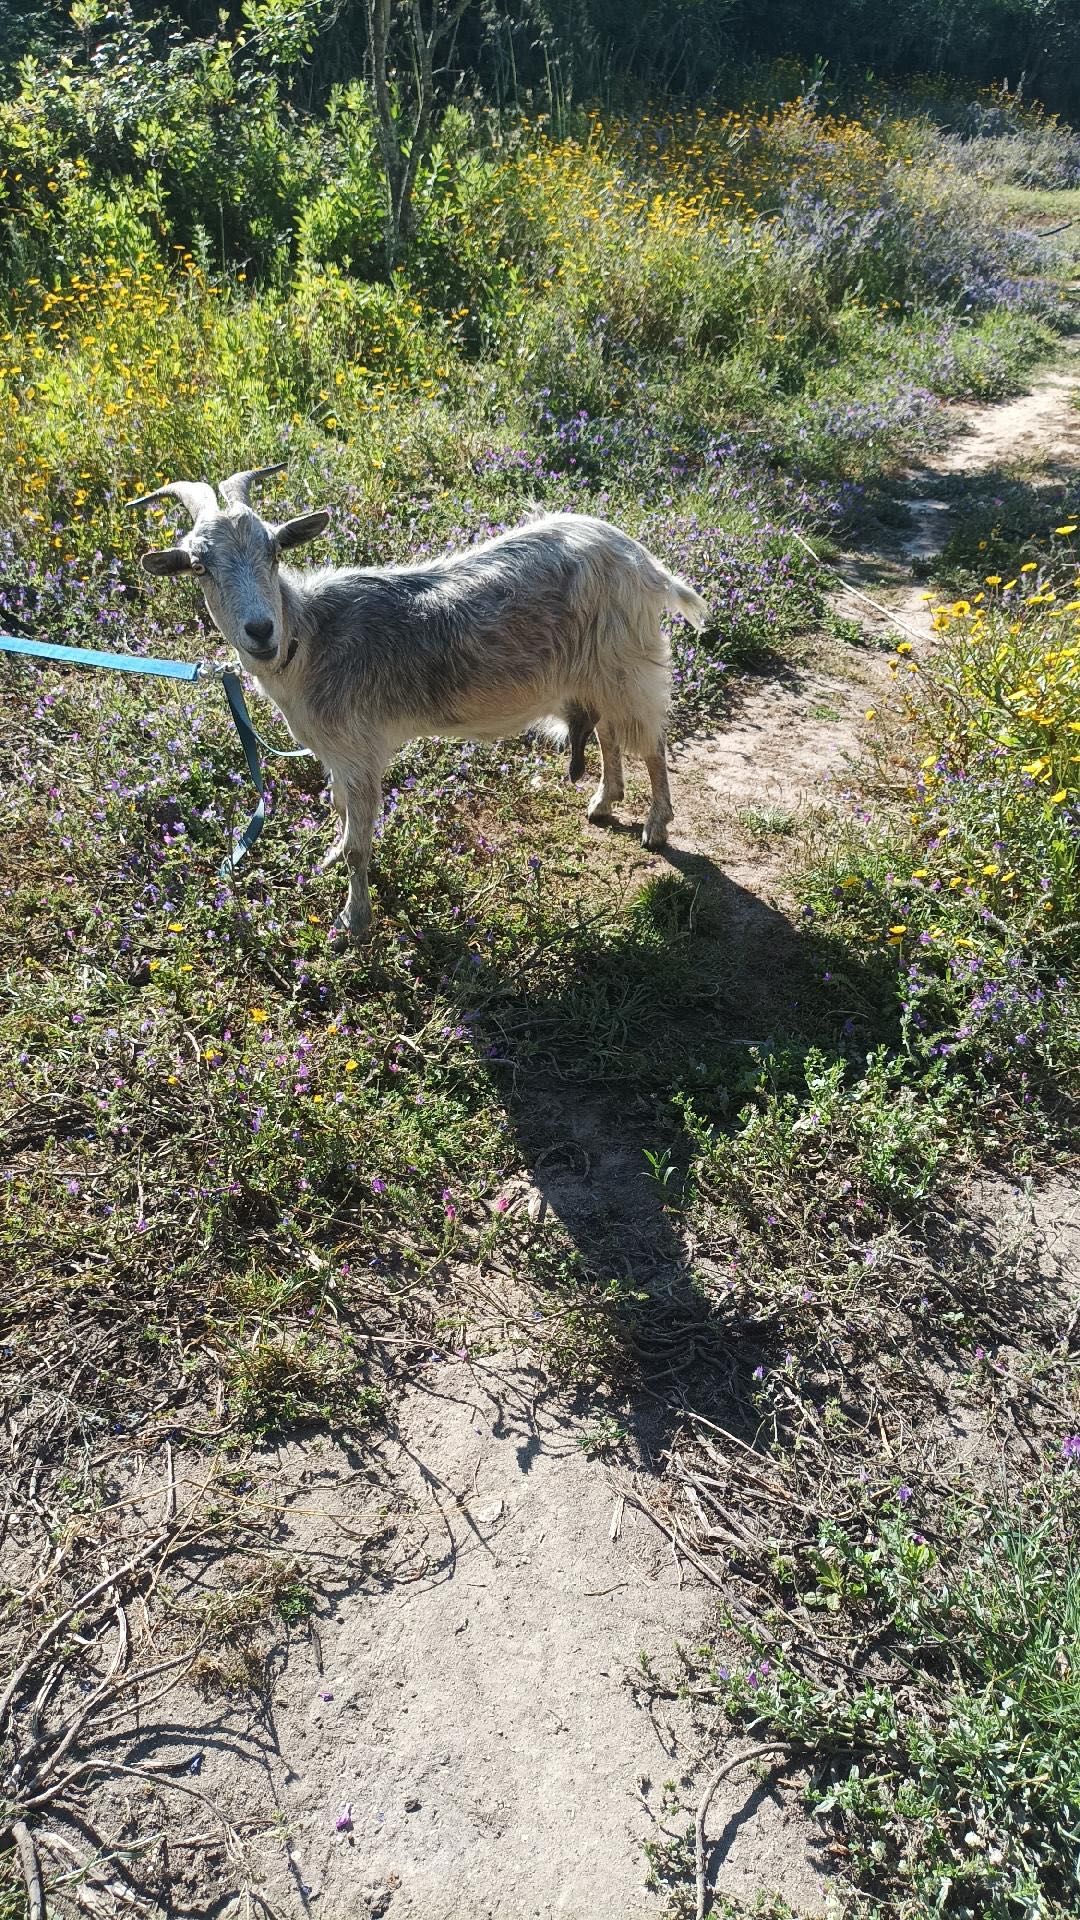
x,y
610,791
338,847
661,810
363,792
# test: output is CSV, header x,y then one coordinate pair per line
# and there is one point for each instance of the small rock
x,y
412,1804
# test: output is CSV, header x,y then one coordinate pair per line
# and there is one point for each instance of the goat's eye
x,y
197,567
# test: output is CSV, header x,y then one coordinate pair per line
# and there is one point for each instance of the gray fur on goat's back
x,y
508,619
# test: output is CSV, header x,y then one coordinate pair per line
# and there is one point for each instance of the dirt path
x,y
793,734
1035,436
459,1739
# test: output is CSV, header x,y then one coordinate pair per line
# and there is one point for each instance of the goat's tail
x,y
681,598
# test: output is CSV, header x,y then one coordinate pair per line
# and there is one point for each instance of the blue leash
x,y
174,670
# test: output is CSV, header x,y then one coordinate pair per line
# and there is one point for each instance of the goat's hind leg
x,y
661,812
610,791
580,723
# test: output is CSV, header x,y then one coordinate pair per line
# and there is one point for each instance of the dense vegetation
x,y
549,49
241,1153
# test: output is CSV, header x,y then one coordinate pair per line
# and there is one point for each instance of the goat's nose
x,y
258,629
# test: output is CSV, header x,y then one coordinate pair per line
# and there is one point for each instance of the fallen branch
x,y
1041,233
729,1766
64,1619
856,592
31,1869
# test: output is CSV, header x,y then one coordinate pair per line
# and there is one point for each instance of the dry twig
x,y
31,1869
729,1766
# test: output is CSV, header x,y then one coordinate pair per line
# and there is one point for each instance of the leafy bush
x,y
192,130
950,1764
979,898
342,223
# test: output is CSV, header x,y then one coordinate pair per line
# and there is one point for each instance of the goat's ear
x,y
173,560
307,527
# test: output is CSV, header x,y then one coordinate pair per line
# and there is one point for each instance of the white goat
x,y
555,626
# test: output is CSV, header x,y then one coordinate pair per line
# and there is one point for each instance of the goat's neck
x,y
289,671
283,682
293,609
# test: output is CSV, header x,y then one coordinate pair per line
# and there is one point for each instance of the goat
x,y
554,626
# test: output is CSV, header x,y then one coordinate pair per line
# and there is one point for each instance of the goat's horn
x,y
237,487
197,496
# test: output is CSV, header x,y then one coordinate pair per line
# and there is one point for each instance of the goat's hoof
x,y
602,807
654,833
357,929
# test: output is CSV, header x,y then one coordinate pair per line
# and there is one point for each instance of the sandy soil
x,y
472,1719
1036,435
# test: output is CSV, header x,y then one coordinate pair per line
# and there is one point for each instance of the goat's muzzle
x,y
259,640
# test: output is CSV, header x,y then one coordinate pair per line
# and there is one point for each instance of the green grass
x,y
944,1738
767,823
1058,203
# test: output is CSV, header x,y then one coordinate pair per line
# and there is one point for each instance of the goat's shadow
x,y
704,986
707,992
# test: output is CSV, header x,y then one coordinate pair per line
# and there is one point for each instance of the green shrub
x,y
949,1764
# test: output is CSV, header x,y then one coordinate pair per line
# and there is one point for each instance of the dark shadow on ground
x,y
705,985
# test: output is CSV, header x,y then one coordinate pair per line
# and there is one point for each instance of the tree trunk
x,y
404,125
